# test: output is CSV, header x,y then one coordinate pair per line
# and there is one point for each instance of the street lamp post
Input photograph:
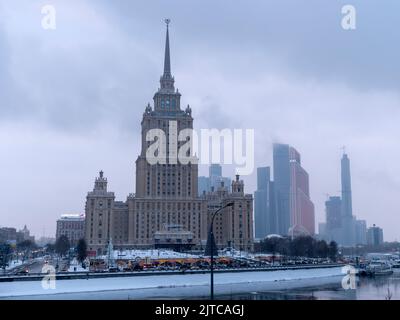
x,y
211,237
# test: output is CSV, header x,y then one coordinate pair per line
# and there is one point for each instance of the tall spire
x,y
166,99
167,59
167,80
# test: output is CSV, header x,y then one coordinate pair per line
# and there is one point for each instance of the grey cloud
x,y
284,68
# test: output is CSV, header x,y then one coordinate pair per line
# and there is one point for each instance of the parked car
x,y
22,272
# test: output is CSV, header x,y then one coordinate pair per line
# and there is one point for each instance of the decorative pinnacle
x,y
167,59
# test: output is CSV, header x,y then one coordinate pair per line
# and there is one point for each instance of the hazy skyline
x,y
72,98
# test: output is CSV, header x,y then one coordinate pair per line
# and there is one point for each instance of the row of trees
x,y
5,253
386,247
63,246
303,246
21,250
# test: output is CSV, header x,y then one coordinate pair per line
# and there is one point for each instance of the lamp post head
x,y
230,204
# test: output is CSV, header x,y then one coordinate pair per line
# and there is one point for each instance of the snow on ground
x,y
13,264
152,254
75,266
169,254
170,286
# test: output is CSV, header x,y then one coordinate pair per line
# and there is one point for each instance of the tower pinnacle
x,y
167,59
167,81
166,99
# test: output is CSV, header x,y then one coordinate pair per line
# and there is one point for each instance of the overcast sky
x,y
71,99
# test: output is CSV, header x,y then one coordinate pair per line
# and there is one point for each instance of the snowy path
x,y
170,286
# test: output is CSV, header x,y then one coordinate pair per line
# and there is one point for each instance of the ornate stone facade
x,y
166,191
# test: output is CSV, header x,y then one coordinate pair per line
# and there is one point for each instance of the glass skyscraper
x,y
265,204
282,186
295,210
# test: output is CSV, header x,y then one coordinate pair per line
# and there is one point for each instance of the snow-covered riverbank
x,y
171,286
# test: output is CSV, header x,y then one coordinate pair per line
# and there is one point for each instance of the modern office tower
x,y
347,210
203,185
265,205
361,232
295,210
261,203
282,186
341,225
215,176
322,231
333,211
215,170
302,217
348,222
72,226
333,207
374,236
213,181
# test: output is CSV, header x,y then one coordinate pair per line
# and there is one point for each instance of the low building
x,y
174,237
72,226
8,234
24,235
11,235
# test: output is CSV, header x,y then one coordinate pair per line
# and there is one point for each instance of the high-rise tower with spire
x,y
348,221
341,225
166,210
170,179
347,207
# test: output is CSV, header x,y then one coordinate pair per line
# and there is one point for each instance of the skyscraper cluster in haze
x,y
282,206
341,225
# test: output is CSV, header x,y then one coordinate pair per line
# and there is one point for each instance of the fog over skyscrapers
x,y
213,181
341,225
284,206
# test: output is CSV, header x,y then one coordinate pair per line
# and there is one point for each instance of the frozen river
x,y
380,288
179,286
